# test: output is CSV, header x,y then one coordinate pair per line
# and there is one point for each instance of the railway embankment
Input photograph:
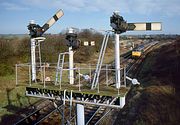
x,y
156,101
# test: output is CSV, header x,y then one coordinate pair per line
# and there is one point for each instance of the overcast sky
x,y
16,14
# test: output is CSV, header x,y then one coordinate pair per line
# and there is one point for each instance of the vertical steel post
x,y
71,65
64,103
16,75
107,74
33,59
44,75
133,45
30,75
79,79
80,114
63,115
117,61
122,101
70,105
90,74
98,86
60,80
125,76
40,62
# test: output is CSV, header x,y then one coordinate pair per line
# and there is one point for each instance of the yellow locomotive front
x,y
136,53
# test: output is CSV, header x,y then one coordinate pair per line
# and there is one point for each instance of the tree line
x,y
17,50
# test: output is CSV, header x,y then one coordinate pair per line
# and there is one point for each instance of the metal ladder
x,y
100,60
59,68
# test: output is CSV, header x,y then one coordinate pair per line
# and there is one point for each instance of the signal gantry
x,y
73,93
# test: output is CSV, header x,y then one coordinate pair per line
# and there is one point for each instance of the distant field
x,y
13,35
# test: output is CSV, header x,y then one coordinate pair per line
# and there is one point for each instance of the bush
x,y
5,49
6,69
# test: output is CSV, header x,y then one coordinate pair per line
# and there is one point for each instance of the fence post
x,y
29,75
16,75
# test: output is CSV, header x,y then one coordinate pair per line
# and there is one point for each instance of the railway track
x,y
44,110
136,66
94,114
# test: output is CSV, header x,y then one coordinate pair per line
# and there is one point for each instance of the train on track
x,y
139,50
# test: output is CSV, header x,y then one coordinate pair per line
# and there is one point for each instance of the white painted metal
x,y
100,61
125,76
75,101
92,43
89,43
116,12
64,98
80,114
70,30
44,76
90,72
134,81
16,75
128,78
59,68
40,62
71,65
33,59
70,114
51,21
133,45
156,26
79,79
71,61
29,75
142,26
107,75
86,43
117,61
40,39
122,101
32,22
33,55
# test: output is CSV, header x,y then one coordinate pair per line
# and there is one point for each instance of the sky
x,y
16,14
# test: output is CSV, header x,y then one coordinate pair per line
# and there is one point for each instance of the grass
x,y
12,97
145,74
159,97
